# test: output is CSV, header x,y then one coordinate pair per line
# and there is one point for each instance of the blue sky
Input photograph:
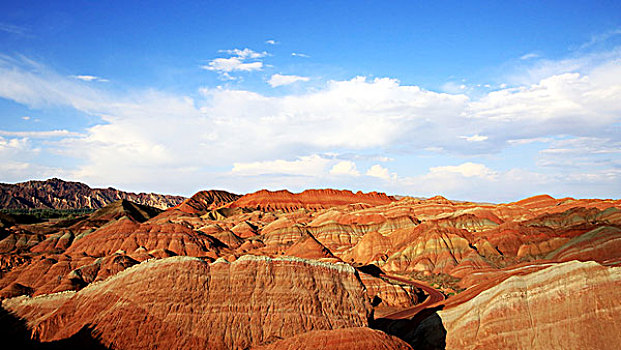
x,y
490,101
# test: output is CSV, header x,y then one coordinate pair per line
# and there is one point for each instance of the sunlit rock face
x,y
340,339
572,305
184,302
309,199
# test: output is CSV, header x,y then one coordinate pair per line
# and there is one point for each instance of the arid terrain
x,y
320,269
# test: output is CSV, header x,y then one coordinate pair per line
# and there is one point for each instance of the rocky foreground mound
x,y
186,303
573,305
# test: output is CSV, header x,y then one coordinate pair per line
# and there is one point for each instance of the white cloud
x,y
468,169
39,134
245,53
232,64
280,79
271,42
474,138
175,140
313,165
600,38
26,117
345,167
241,60
379,171
90,78
298,54
529,56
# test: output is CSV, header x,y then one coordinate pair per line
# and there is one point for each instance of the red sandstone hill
x,y
309,199
204,201
185,303
58,194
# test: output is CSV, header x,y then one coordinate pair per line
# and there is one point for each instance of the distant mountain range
x,y
59,194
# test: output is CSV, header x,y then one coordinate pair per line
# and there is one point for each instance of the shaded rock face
x,y
571,305
183,302
340,339
309,199
59,194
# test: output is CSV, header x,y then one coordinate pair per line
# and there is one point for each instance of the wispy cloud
x,y
13,29
39,134
280,79
529,56
90,78
297,54
271,42
600,38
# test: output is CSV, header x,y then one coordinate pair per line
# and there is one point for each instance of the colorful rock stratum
x,y
321,269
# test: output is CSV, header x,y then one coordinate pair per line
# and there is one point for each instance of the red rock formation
x,y
205,201
127,236
340,339
309,199
567,306
183,302
59,194
308,247
602,245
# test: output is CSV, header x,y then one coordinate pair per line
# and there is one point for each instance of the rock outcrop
x,y
59,194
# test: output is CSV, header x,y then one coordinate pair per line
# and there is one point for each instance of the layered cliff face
x,y
183,302
59,194
572,305
309,199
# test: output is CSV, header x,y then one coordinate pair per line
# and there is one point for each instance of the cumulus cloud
x,y
468,169
379,171
271,42
241,60
345,167
313,165
280,79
